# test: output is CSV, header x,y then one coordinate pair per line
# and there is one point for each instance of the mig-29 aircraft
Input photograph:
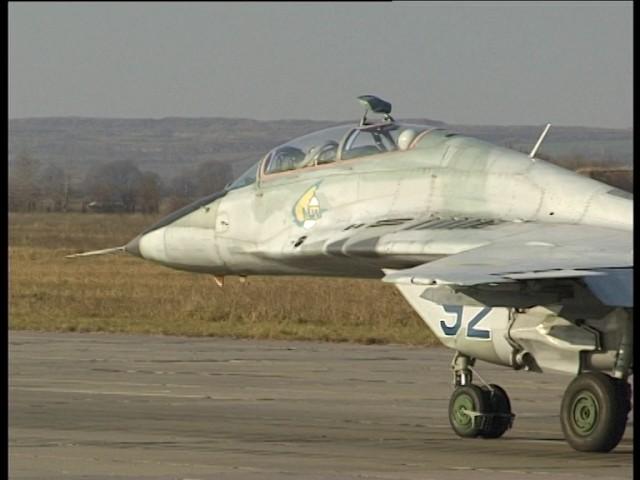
x,y
507,258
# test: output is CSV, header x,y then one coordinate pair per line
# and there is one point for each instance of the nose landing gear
x,y
467,408
501,418
476,411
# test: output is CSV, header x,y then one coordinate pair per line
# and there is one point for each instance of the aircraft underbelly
x,y
476,330
538,338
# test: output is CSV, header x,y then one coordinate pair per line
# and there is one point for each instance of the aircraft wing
x,y
602,256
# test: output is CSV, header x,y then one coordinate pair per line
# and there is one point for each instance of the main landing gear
x,y
594,411
476,411
595,406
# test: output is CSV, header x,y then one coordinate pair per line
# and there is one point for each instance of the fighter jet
x,y
507,258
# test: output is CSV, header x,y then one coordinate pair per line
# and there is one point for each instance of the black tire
x,y
624,393
594,412
467,397
499,404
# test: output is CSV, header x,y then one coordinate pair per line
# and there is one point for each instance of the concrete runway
x,y
98,406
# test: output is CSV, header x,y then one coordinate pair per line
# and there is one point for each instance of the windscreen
x,y
247,178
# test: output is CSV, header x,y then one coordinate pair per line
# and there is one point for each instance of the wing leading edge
x,y
604,257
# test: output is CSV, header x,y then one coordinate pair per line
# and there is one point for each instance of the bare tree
x,y
184,185
53,181
211,177
114,182
189,185
24,190
182,190
149,191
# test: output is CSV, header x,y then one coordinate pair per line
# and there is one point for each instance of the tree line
x,y
117,186
120,186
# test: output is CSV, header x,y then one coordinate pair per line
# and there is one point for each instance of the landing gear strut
x,y
477,411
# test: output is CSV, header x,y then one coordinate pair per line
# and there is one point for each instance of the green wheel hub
x,y
585,413
461,404
464,400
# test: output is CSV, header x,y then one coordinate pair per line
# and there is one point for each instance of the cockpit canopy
x,y
334,144
340,143
316,148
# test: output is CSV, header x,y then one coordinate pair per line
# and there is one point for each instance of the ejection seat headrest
x,y
405,138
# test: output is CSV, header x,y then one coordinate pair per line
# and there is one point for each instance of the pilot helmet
x,y
405,138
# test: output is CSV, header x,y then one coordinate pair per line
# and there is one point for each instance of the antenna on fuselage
x,y
539,142
376,105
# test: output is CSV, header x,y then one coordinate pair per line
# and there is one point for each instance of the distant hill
x,y
169,145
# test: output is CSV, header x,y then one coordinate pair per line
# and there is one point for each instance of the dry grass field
x,y
121,293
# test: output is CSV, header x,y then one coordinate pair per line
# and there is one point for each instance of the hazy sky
x,y
568,63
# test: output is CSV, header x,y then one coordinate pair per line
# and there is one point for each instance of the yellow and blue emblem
x,y
306,210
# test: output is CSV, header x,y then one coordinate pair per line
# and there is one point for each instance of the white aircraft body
x,y
508,259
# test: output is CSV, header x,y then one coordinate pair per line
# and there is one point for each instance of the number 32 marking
x,y
472,331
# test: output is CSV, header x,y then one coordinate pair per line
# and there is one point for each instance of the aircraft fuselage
x,y
336,219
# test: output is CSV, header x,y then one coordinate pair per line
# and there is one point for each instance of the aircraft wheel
x,y
499,404
467,398
594,412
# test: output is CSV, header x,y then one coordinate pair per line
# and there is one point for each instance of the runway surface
x,y
98,406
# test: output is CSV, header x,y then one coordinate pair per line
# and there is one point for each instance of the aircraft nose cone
x,y
149,245
133,247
